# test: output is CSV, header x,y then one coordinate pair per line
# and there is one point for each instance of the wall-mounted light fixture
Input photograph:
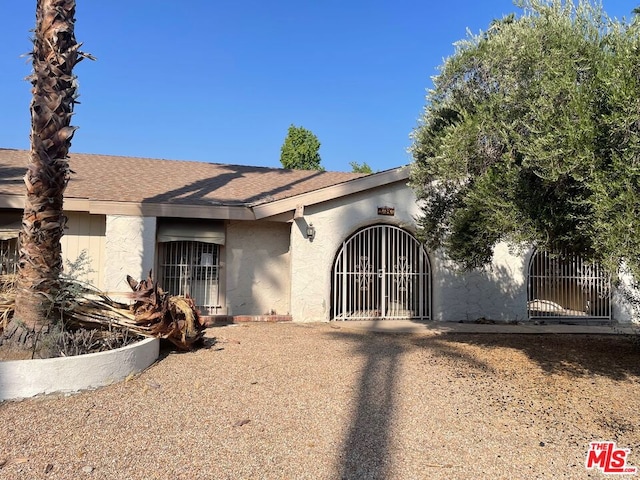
x,y
311,231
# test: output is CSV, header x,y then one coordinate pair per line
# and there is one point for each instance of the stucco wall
x,y
625,300
498,293
334,222
129,249
256,267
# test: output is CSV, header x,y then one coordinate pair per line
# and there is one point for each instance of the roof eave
x,y
342,189
218,212
74,204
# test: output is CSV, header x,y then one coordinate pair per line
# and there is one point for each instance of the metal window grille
x,y
382,271
192,268
9,255
563,285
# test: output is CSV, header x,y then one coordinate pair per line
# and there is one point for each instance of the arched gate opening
x,y
381,272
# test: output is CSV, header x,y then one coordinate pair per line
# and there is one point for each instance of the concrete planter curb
x,y
26,378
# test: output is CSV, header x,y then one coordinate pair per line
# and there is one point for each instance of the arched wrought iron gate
x,y
381,271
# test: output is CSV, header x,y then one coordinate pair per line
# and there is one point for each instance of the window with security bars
x,y
9,255
565,285
191,268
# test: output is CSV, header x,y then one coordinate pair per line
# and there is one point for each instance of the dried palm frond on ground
x,y
154,313
92,319
175,318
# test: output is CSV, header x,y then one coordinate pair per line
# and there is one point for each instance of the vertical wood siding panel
x,y
86,232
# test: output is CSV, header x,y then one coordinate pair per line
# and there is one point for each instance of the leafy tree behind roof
x,y
300,150
531,136
360,168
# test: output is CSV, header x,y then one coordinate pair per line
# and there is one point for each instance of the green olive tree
x,y
530,135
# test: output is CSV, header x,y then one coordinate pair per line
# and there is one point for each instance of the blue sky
x,y
221,81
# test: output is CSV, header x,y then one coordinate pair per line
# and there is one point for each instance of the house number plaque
x,y
386,211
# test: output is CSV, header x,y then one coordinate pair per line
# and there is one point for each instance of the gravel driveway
x,y
322,401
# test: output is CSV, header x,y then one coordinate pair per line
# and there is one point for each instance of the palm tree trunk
x,y
55,53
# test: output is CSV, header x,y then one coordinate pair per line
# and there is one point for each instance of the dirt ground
x,y
321,401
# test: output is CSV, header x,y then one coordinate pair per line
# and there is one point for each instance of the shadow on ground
x,y
367,446
613,356
167,348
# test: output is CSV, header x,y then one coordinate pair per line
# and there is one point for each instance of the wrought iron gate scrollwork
x,y
364,273
381,271
403,270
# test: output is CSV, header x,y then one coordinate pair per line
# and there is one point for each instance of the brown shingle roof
x,y
142,180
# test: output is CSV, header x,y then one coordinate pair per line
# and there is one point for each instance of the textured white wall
x,y
129,250
335,221
498,293
257,265
625,301
27,378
